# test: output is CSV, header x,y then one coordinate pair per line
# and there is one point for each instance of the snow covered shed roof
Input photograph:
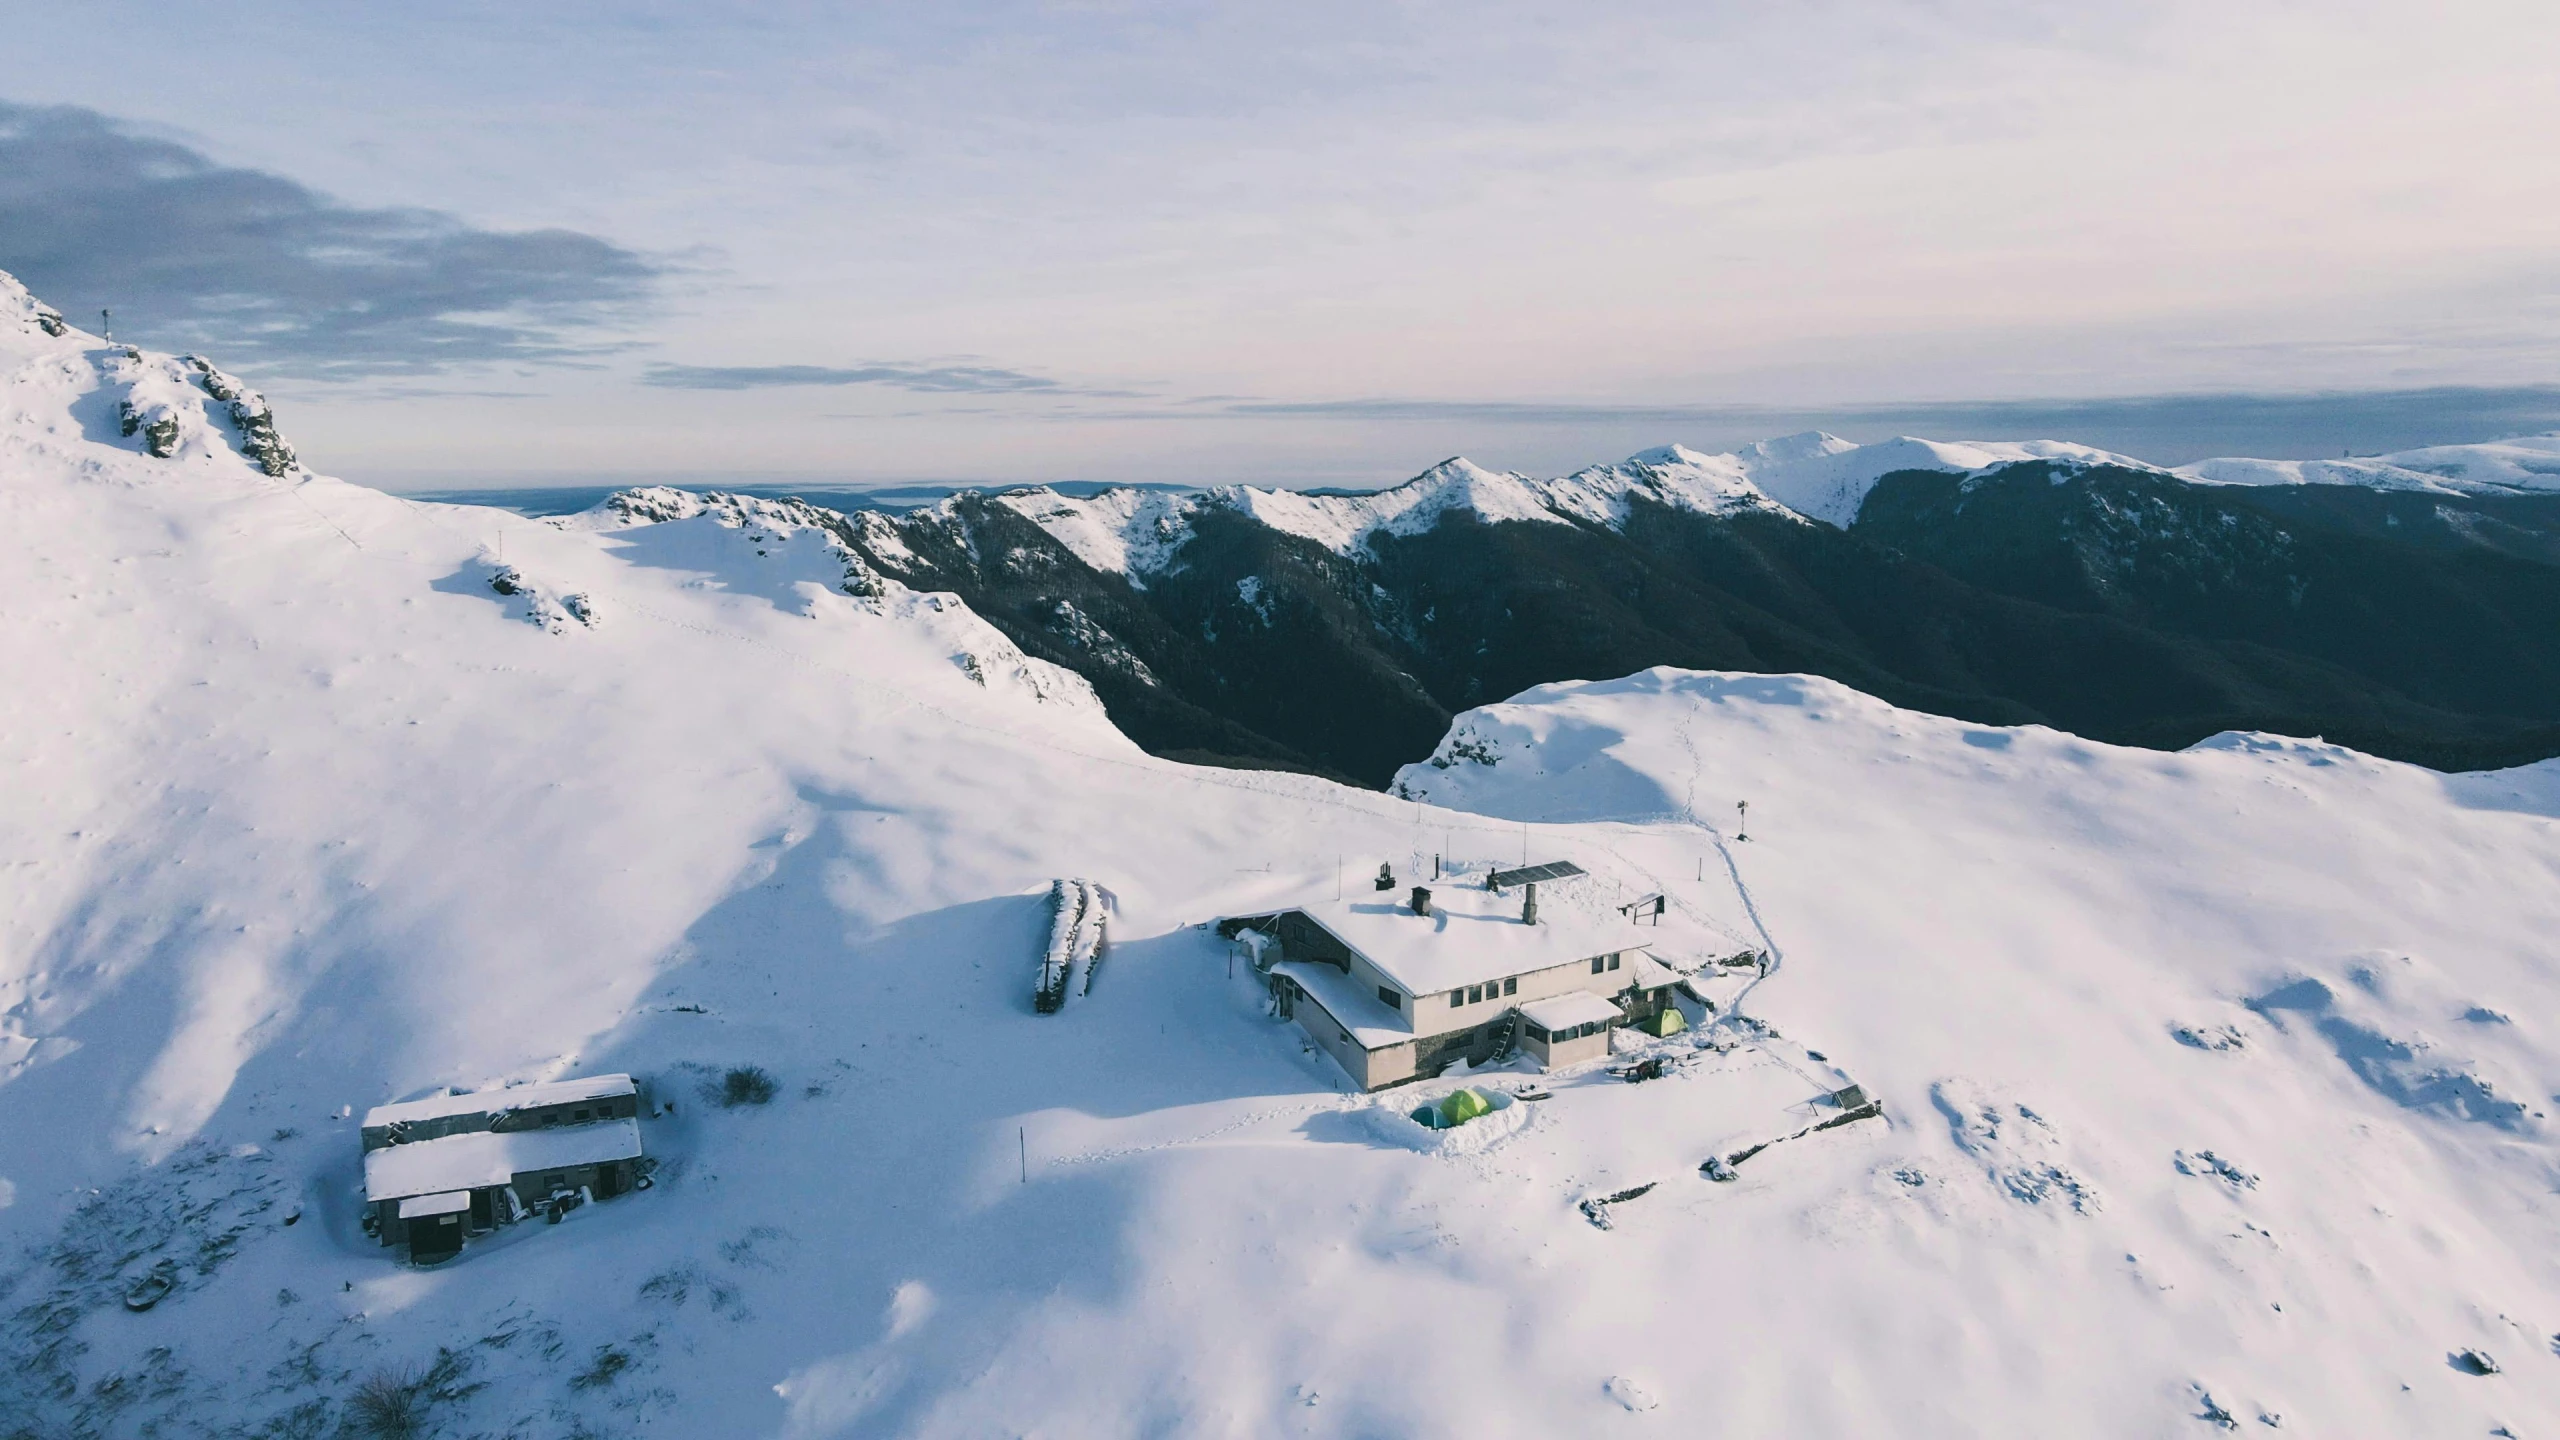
x,y
514,1097
451,1202
1350,1003
1563,1012
1470,936
482,1158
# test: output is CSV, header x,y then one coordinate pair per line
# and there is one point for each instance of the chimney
x,y
1422,900
1386,877
1529,912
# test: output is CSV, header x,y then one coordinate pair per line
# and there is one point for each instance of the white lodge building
x,y
1399,988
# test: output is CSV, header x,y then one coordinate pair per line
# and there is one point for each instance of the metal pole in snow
x,y
1022,1136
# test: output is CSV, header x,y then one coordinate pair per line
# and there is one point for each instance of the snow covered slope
x,y
2213,1082
2229,1069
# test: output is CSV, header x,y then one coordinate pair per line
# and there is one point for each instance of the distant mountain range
x,y
2402,604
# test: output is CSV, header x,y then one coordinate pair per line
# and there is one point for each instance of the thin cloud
x,y
931,379
1529,412
273,275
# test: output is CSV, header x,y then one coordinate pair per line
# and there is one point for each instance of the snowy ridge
x,y
63,386
1826,478
1814,475
1132,532
794,552
2526,464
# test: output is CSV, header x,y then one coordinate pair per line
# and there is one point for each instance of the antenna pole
x,y
1022,1137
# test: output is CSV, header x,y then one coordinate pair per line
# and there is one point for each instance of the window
x,y
1599,963
1537,1033
582,1115
1388,994
1613,962
1511,986
1475,993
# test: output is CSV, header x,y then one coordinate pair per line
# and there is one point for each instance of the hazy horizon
x,y
1328,246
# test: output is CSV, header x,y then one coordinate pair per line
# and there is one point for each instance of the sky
x,y
469,245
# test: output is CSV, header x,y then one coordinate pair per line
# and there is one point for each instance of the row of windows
x,y
1393,999
1570,1032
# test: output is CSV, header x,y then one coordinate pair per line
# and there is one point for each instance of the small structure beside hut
x,y
450,1166
1400,989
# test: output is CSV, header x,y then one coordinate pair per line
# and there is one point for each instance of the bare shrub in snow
x,y
609,1363
743,1085
387,1405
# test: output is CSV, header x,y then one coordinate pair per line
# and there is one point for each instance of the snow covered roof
x,y
489,1102
1563,1012
1644,972
493,1157
1348,1001
1470,936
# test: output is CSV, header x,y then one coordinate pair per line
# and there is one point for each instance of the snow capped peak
x,y
1663,455
1682,457
1461,470
1130,531
1804,445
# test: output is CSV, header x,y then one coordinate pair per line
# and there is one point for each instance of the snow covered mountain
x,y
1816,475
2214,1083
2000,582
1823,477
2526,464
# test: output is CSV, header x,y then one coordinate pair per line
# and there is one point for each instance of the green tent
x,y
1669,1022
1463,1106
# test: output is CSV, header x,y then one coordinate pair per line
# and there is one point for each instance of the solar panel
x,y
1532,874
